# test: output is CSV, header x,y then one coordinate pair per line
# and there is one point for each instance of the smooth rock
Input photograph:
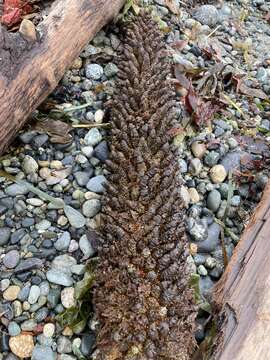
x,y
207,15
211,158
29,165
11,293
86,247
195,166
93,137
11,259
194,196
206,285
28,264
58,277
96,184
4,235
49,330
231,161
13,329
33,294
213,200
218,174
87,344
43,225
53,298
110,70
198,149
67,297
197,229
16,236
82,177
22,345
101,151
63,242
64,345
41,352
75,218
91,207
212,240
28,325
16,189
64,263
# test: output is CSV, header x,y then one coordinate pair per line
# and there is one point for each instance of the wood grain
x,y
243,293
35,73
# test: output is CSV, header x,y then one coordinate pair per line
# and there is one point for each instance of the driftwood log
x,y
31,64
243,293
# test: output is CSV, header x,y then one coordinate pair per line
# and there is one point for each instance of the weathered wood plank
x,y
34,73
243,293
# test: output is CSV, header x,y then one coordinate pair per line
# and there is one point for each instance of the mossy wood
x,y
243,293
142,298
30,69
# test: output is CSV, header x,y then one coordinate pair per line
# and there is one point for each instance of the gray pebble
x,y
235,200
11,259
110,70
41,352
207,15
213,200
88,341
91,207
24,292
93,71
28,325
28,264
195,166
211,158
262,74
102,151
93,137
86,247
58,277
29,165
212,240
4,235
197,229
63,242
53,298
64,345
33,294
16,189
16,236
39,140
96,184
82,177
13,329
41,314
231,161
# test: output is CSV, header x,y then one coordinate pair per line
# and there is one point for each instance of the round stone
x,y
4,235
211,158
67,297
195,166
198,149
91,207
41,352
13,329
207,15
213,200
194,196
93,137
11,293
110,70
33,294
22,345
218,174
99,115
58,277
96,184
63,242
94,71
86,246
185,195
64,345
11,259
202,270
48,330
29,165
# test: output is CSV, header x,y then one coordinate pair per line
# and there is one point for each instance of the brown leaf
x,y
56,129
258,93
192,100
205,113
267,16
182,79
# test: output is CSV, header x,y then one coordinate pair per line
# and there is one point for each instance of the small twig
x,y
89,126
212,32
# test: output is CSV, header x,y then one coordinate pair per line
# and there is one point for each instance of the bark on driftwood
x,y
30,70
243,293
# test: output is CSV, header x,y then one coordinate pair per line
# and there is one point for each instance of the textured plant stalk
x,y
143,303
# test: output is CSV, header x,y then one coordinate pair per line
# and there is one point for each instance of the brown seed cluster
x,y
143,303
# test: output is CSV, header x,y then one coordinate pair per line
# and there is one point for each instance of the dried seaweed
x,y
143,301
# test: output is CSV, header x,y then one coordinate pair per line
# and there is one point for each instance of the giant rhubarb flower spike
x,y
143,303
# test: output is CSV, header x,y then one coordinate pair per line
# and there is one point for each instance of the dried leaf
x,y
57,130
192,100
258,93
205,113
267,16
